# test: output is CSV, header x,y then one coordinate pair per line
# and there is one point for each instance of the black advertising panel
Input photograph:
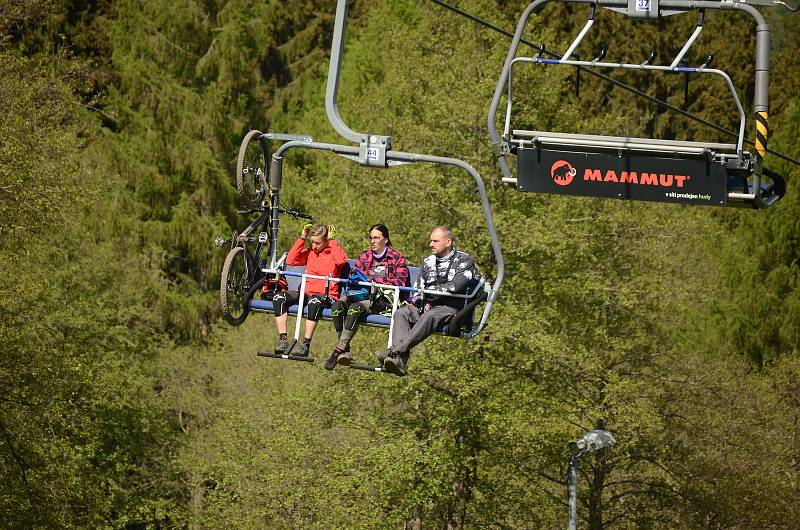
x,y
641,178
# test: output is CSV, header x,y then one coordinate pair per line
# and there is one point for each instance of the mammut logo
x,y
562,172
665,180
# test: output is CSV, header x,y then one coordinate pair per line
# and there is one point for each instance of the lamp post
x,y
588,443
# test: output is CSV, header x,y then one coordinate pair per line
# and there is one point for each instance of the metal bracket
x,y
373,150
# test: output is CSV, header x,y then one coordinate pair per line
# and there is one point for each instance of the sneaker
x,y
382,355
395,364
344,358
302,350
330,362
281,347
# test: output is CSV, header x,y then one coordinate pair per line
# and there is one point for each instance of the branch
x,y
17,458
108,121
552,479
445,390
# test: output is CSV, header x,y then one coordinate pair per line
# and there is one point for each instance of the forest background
x,y
126,402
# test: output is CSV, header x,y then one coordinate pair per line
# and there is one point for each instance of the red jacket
x,y
328,262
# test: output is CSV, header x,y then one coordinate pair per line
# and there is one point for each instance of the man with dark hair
x,y
447,270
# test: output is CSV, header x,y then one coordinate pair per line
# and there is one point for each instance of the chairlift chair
x,y
672,171
373,151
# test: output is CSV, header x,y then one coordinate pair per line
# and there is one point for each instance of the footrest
x,y
367,368
287,357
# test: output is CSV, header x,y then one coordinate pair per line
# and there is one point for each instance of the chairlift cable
x,y
609,79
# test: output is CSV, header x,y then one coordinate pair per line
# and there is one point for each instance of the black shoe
x,y
330,362
344,358
395,364
382,355
302,350
281,347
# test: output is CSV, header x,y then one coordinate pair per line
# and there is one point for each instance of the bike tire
x,y
252,170
234,284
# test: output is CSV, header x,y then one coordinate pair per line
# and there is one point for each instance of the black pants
x,y
282,301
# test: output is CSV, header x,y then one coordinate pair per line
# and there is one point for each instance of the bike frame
x,y
245,237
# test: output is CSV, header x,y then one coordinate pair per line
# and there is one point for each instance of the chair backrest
x,y
413,274
294,281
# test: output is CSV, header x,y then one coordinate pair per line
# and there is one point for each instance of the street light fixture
x,y
588,443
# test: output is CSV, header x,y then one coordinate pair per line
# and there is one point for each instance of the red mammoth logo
x,y
562,172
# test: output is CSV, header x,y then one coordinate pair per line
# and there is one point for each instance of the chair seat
x,y
382,321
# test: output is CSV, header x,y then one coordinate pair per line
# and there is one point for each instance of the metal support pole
x,y
579,38
274,189
573,491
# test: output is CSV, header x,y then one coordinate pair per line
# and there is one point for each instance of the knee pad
x,y
315,307
279,304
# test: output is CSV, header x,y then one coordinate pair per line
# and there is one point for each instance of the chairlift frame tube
x,y
398,288
578,39
679,57
761,87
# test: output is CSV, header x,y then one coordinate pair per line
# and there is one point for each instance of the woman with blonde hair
x,y
324,257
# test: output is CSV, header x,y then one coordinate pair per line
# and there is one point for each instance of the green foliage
x,y
125,402
82,431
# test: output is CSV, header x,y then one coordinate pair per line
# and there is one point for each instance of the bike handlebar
x,y
294,212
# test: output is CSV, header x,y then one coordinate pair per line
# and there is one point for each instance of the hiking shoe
x,y
382,355
281,347
344,358
395,364
302,350
330,362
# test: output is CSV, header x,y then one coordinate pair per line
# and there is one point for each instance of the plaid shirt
x,y
396,268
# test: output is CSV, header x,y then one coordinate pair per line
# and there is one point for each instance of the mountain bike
x,y
242,272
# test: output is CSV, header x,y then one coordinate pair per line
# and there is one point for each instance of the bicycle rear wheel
x,y
252,170
235,281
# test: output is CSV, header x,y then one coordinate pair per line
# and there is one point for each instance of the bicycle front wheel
x,y
252,170
233,286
